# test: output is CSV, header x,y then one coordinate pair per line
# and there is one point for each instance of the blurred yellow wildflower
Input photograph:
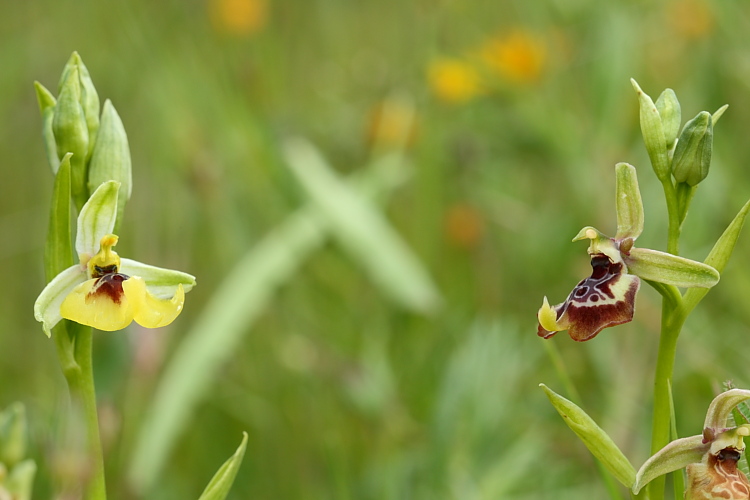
x,y
454,80
392,122
238,17
690,18
518,56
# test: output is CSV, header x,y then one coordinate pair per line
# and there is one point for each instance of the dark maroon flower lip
x,y
108,285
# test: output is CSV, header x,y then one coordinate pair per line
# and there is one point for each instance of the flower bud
x,y
71,133
692,155
13,434
110,160
47,103
670,114
89,98
653,134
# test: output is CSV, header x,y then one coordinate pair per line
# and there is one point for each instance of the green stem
x,y
673,210
671,325
81,384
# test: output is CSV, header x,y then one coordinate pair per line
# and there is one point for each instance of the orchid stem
x,y
81,384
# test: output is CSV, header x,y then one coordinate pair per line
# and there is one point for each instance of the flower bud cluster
x,y
72,124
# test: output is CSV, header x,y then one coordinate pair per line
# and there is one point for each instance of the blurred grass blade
x,y
221,483
363,231
234,306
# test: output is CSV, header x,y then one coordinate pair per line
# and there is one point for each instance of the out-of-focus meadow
x,y
474,139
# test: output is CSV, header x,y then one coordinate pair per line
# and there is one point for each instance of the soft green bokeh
x,y
344,393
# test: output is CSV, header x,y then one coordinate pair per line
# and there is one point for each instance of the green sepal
x,y
676,455
97,219
629,204
71,133
596,440
13,433
721,407
89,97
720,253
221,483
58,250
670,114
653,134
670,269
692,155
111,157
161,283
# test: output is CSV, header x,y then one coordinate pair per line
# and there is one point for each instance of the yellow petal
x,y
93,306
149,311
548,317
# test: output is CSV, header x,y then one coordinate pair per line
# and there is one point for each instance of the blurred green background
x,y
509,116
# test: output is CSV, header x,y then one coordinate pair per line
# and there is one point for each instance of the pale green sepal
x,y
692,155
20,480
653,134
47,305
97,219
629,203
111,157
718,114
71,133
670,269
721,407
670,114
720,253
221,483
13,431
58,251
596,440
676,455
162,283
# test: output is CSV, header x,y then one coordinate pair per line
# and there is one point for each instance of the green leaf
x,y
596,440
97,219
669,269
653,134
221,483
629,203
363,231
676,455
720,254
58,250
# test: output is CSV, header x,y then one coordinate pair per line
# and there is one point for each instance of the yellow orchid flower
x,y
103,290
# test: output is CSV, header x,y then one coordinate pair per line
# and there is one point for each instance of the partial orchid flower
x,y
710,458
607,297
103,290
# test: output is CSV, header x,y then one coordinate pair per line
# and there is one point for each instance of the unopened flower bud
x,y
13,434
653,133
110,160
47,103
71,133
692,155
670,114
89,97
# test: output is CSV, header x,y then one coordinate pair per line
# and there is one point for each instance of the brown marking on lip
x,y
110,285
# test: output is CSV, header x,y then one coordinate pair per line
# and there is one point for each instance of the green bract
x,y
596,440
670,114
654,137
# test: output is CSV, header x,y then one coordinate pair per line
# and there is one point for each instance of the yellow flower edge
x,y
149,311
